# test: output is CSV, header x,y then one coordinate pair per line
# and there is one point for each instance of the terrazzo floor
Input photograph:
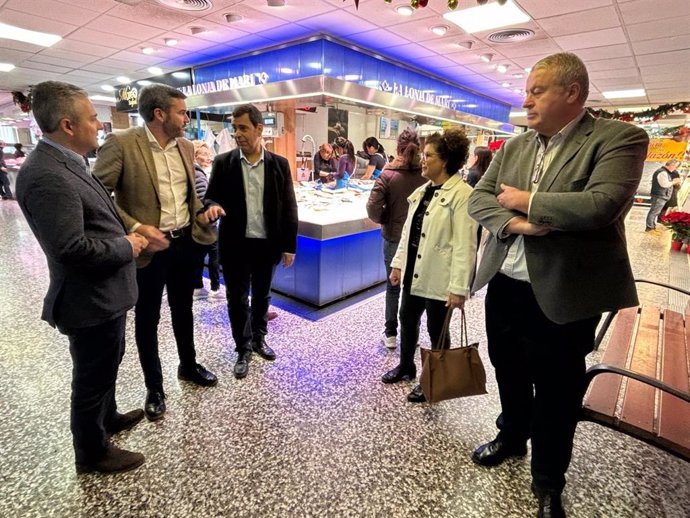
x,y
314,434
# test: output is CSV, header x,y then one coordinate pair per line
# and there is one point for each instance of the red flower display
x,y
679,223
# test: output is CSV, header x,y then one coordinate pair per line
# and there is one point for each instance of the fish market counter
x,y
339,249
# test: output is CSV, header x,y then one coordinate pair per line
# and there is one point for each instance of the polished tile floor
x,y
314,434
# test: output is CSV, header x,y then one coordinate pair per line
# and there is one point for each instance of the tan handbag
x,y
451,373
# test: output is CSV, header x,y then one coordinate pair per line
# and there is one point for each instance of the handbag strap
x,y
444,331
464,336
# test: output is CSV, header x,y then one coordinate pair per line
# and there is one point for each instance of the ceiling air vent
x,y
510,35
187,5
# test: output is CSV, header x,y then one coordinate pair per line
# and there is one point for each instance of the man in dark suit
x,y
91,262
554,199
253,189
151,171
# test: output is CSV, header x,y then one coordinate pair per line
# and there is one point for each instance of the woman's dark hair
x,y
452,146
346,146
372,142
408,146
484,156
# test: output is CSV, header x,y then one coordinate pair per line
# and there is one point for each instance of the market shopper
x,y
663,184
251,190
388,206
92,272
151,171
554,200
436,253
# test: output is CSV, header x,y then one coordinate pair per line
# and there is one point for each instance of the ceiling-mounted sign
x,y
127,96
226,84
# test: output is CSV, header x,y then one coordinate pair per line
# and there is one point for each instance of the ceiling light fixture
x,y
170,42
519,75
528,69
276,3
44,39
197,30
486,57
6,67
502,68
144,82
624,94
231,18
518,114
99,97
466,44
108,88
156,71
439,30
404,10
147,50
506,85
123,80
488,16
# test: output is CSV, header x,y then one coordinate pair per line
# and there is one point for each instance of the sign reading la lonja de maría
x,y
226,84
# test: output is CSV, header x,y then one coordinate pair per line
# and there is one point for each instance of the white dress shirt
x,y
254,175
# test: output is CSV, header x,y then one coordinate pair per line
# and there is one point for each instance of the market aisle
x,y
313,434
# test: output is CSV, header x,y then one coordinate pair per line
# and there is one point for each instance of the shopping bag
x,y
452,373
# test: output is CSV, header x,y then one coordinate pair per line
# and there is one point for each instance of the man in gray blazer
x,y
554,200
151,171
91,262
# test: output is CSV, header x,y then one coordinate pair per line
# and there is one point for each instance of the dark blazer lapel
x,y
145,148
270,194
573,144
528,154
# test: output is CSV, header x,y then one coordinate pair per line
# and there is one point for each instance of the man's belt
x,y
178,232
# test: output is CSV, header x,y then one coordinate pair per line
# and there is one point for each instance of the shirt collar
x,y
154,142
566,130
261,158
66,151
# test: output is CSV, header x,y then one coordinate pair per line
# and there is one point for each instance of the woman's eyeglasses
x,y
426,156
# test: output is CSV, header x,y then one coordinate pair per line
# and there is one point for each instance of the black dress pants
x,y
250,268
540,369
411,309
96,355
174,268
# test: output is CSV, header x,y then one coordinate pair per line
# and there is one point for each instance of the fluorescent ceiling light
x,y
502,68
286,70
439,30
144,82
518,75
102,98
466,44
123,80
107,88
180,75
486,57
6,67
470,105
156,71
404,10
10,32
624,94
170,42
506,85
147,50
488,16
518,114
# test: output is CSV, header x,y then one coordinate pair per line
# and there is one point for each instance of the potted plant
x,y
679,224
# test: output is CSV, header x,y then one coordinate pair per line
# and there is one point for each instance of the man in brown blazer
x,y
555,200
151,171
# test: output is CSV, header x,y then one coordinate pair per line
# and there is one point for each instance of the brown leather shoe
x,y
271,315
123,422
115,460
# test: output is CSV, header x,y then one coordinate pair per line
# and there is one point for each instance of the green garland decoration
x,y
652,114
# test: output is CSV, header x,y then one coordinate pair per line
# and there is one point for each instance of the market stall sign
x,y
226,84
662,150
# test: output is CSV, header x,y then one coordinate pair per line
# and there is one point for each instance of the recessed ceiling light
x,y
519,75
147,50
144,82
44,39
470,105
123,80
502,68
6,67
276,3
404,10
107,88
528,69
517,91
440,30
506,85
102,98
488,16
170,42
156,71
231,18
624,94
486,57
465,44
197,30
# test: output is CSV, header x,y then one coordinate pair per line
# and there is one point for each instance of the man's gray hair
x,y
569,69
157,95
673,161
52,101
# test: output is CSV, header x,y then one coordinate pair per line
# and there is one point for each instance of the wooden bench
x,y
642,385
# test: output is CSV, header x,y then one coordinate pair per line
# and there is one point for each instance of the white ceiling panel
x,y
112,25
81,47
151,14
36,23
660,45
546,8
611,64
53,10
583,21
109,39
608,52
679,58
640,11
542,47
586,40
653,29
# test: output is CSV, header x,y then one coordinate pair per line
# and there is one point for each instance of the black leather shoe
x,y
242,365
397,374
115,460
122,422
494,452
197,374
550,505
154,408
261,348
416,396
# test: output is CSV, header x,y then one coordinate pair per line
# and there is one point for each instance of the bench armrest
x,y
602,368
664,285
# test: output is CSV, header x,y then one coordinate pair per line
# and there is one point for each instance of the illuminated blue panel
x,y
323,57
326,271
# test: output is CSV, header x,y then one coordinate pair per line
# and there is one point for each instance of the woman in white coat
x,y
436,254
